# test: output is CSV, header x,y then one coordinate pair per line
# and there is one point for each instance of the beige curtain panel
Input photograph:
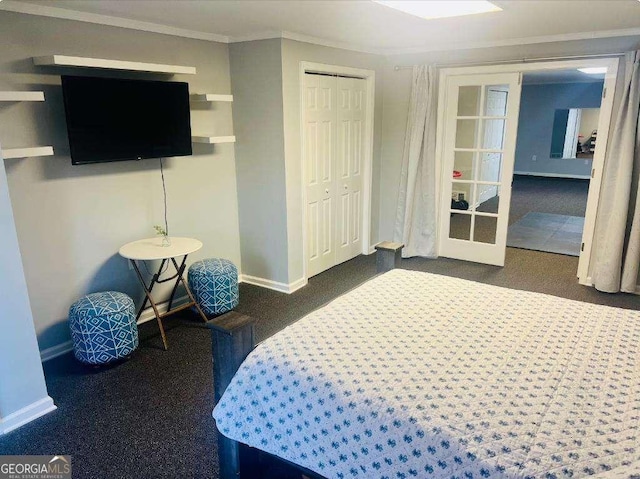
x,y
617,235
415,224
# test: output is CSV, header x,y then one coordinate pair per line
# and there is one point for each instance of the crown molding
x,y
56,12
299,37
563,37
328,43
252,37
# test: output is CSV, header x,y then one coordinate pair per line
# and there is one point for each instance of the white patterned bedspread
x,y
420,375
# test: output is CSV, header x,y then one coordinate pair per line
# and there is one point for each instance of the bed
x,y
420,375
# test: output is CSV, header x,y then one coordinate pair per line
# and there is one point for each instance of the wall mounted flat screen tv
x,y
112,119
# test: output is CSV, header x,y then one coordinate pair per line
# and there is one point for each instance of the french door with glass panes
x,y
481,121
334,120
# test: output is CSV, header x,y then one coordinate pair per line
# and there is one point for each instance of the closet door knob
x,y
346,187
326,191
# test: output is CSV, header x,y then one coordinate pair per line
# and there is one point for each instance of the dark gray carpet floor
x,y
150,416
560,196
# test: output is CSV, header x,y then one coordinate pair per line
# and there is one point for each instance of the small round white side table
x,y
149,249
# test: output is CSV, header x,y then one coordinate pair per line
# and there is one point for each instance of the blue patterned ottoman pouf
x,y
214,284
103,327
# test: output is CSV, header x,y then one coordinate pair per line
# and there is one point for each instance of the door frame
x,y
367,168
604,123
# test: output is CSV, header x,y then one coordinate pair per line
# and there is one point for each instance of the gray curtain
x,y
415,224
617,232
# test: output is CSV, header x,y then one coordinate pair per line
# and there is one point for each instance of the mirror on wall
x,y
575,133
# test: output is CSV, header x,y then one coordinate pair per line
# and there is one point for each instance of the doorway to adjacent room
x,y
477,229
557,136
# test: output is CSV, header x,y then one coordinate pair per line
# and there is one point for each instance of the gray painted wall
x,y
397,90
256,77
18,345
71,220
538,104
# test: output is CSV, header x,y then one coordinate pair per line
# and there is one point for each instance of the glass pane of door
x,y
487,199
485,229
467,134
460,226
496,104
469,100
493,134
490,166
464,165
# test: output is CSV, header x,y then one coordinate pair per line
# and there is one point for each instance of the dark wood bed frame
x,y
233,338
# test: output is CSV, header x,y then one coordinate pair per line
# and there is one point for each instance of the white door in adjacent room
x,y
481,119
334,119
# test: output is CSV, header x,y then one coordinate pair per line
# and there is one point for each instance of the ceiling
x,y
355,24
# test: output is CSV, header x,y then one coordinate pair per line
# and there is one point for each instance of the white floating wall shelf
x,y
27,152
213,139
84,62
211,97
21,96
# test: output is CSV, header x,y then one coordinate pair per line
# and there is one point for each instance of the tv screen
x,y
113,119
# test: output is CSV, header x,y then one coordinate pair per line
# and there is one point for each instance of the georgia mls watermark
x,y
35,467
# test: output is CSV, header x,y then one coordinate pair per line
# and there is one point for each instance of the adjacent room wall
x,y
71,220
256,78
294,52
538,104
397,90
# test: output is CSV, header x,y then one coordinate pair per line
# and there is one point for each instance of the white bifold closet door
x,y
334,119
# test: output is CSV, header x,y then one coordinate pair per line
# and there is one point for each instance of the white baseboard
x,y
274,285
55,351
26,414
296,285
552,175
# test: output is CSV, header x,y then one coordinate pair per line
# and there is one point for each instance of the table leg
x,y
179,271
147,292
186,287
154,280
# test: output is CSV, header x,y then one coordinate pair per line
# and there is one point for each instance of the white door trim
x,y
370,77
606,109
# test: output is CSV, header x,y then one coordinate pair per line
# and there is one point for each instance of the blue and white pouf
x,y
214,284
103,327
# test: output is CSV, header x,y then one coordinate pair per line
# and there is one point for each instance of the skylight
x,y
593,70
430,9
